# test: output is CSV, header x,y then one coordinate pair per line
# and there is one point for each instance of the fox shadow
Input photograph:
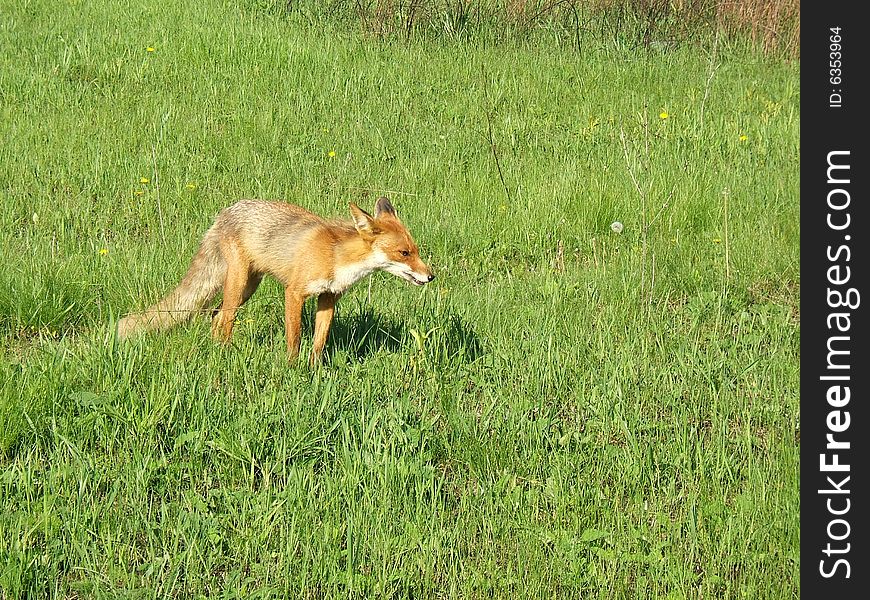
x,y
365,332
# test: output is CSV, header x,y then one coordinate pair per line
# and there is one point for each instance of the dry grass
x,y
774,26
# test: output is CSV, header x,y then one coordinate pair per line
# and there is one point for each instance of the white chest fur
x,y
348,274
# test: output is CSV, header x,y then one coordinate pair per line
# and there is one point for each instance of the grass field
x,y
565,412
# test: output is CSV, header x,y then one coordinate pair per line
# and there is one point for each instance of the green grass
x,y
565,412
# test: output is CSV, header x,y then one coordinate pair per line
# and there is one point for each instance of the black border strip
x,y
834,367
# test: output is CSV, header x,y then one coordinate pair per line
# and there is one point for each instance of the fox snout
x,y
418,273
422,272
428,276
410,268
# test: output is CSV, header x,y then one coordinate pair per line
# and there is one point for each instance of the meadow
x,y
567,411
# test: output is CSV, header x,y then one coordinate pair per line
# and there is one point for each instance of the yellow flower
x,y
149,49
663,115
138,192
744,137
104,251
143,180
717,240
190,186
332,154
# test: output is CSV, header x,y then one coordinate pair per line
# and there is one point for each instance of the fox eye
x,y
405,253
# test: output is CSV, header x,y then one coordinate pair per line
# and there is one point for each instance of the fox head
x,y
391,242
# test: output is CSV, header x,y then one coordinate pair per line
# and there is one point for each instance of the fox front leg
x,y
325,312
293,302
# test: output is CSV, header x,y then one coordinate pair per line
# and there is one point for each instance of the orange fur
x,y
310,255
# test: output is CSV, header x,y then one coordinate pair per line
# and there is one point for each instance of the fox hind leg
x,y
237,283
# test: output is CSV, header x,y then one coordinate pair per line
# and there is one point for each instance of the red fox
x,y
310,255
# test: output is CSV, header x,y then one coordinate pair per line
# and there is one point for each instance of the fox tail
x,y
200,284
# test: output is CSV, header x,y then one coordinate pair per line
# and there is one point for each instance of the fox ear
x,y
363,221
384,208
